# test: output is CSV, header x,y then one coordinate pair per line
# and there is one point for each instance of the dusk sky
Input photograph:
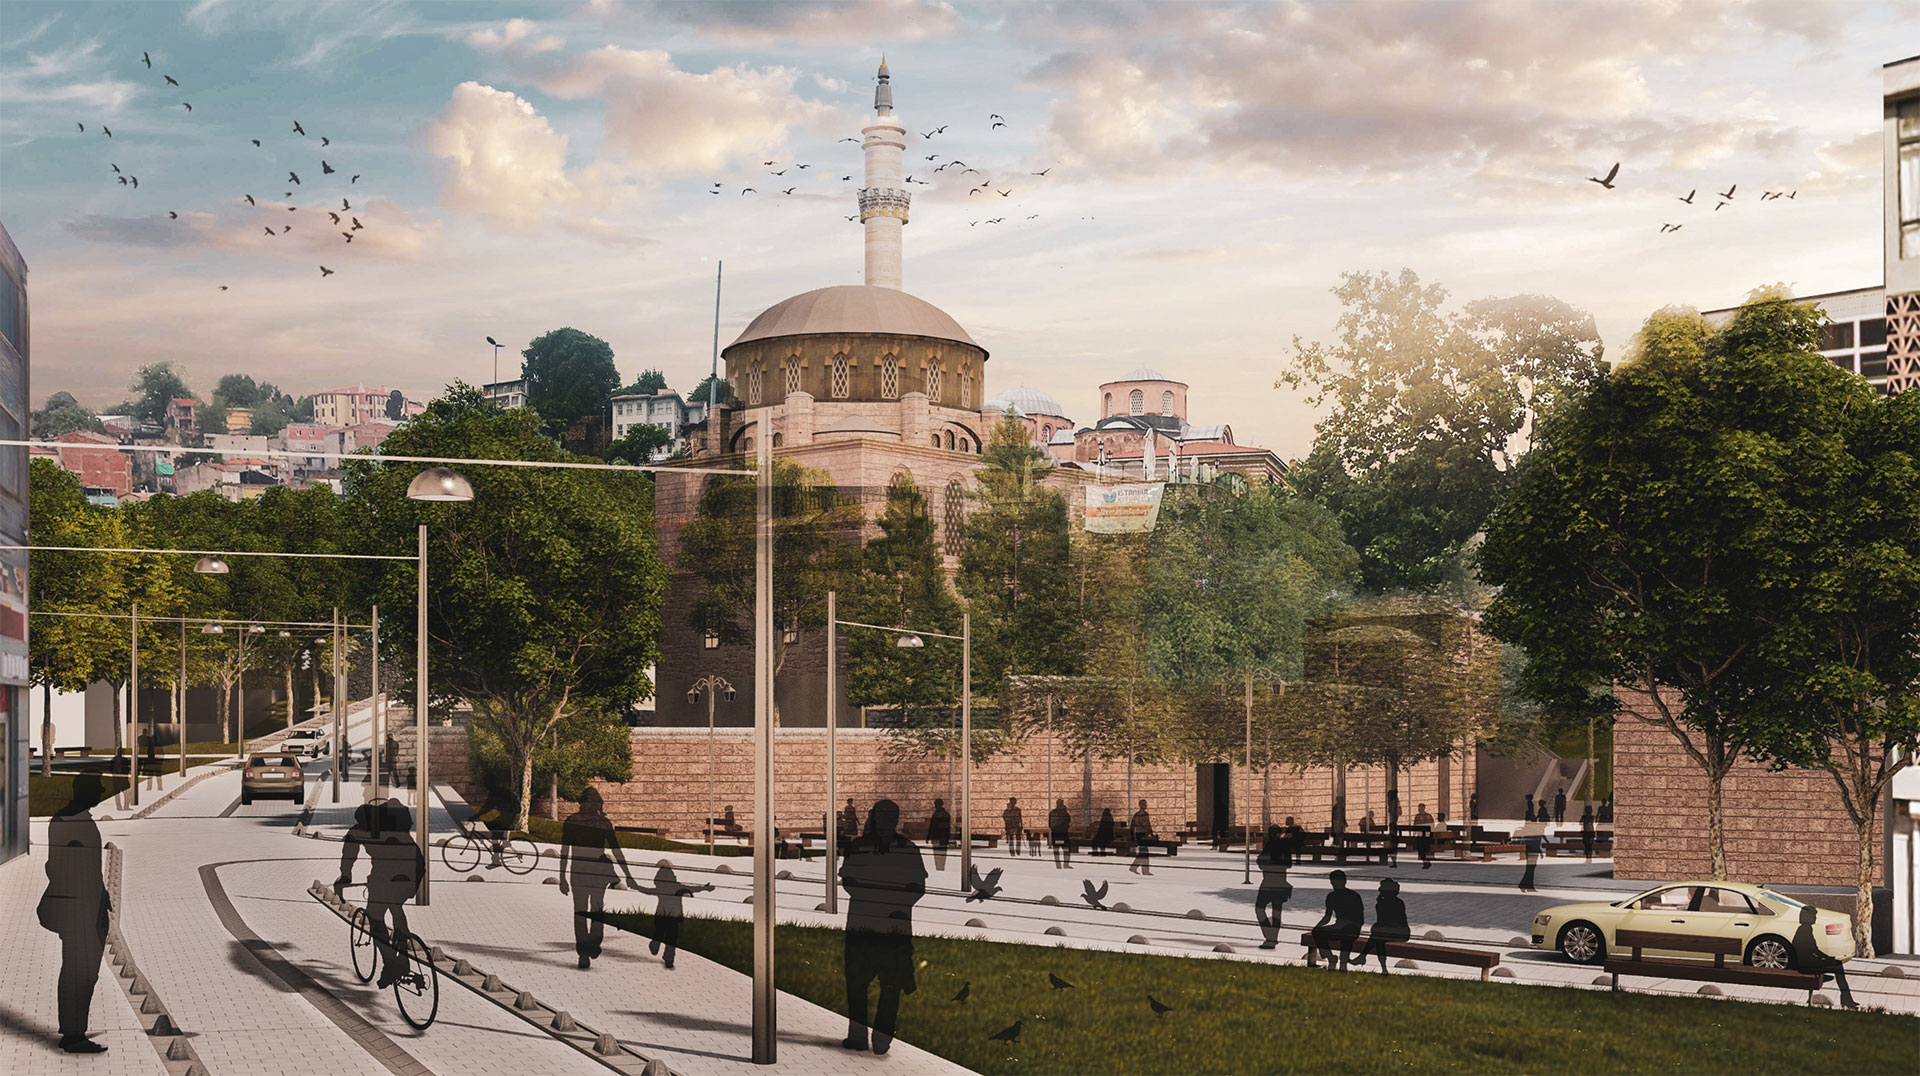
x,y
1210,171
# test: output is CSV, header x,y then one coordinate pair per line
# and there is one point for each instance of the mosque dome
x,y
1145,373
854,308
1027,401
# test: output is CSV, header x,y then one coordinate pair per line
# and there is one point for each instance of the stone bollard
x,y
1407,964
151,1005
139,986
1050,900
976,922
1195,913
606,1045
1223,947
656,1067
178,1050
492,984
723,869
437,953
550,880
784,876
1121,906
1711,991
525,1002
1520,943
1138,939
163,1027
1433,935
1056,932
461,967
563,1022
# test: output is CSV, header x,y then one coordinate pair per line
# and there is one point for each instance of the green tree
x,y
1652,529
240,390
703,393
396,405
69,646
1016,568
569,376
157,385
901,582
63,414
639,444
648,383
544,593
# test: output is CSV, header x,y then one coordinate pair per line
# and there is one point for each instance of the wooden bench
x,y
1486,852
1412,950
1575,848
1340,853
1717,972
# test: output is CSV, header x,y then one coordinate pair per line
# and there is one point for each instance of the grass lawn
x,y
45,794
1233,1017
547,831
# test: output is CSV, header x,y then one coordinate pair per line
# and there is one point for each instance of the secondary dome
x,y
854,308
1029,401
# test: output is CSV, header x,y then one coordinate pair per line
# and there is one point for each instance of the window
x,y
1166,402
954,518
754,373
1873,364
793,374
1106,409
1845,362
933,380
936,440
966,382
1137,403
1907,131
841,385
1873,332
889,377
1676,899
949,440
1835,335
1724,901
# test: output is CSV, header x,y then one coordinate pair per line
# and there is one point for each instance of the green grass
x,y
547,831
47,794
1233,1017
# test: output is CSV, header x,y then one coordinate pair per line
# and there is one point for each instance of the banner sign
x,y
1123,509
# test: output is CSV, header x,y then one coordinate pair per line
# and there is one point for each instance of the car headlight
x,y
1541,920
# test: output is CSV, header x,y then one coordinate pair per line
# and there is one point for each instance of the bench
x,y
1486,852
1718,972
1340,853
1412,950
1575,848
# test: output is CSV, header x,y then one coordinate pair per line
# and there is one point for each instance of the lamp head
x,y
693,696
729,693
211,566
909,642
439,484
492,341
285,634
256,630
211,629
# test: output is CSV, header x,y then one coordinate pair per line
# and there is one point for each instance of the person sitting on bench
x,y
1389,923
1344,917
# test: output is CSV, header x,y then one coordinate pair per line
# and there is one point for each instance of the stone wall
x,y
1783,828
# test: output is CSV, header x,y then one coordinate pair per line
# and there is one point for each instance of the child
x,y
666,917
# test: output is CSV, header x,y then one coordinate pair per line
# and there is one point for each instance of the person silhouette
x,y
1276,856
726,819
884,878
1809,957
1010,819
1586,831
1423,837
1344,917
1543,816
939,832
1526,813
1389,923
1103,833
76,907
1473,808
383,828
591,848
1530,845
1060,834
146,745
1560,805
1339,823
669,912
1420,815
392,757
1140,830
1606,810
849,825
1393,808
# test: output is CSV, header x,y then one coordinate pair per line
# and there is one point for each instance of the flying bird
x,y
325,272
355,179
973,192
1058,982
356,223
223,287
1728,193
292,208
326,169
186,106
1793,193
325,141
335,216
1607,182
789,190
1049,168
853,216
933,156
106,130
995,116
1010,1034
781,172
1031,216
270,231
849,140
1718,206
80,125
135,180
344,205
123,181
170,80
171,215
148,60
983,889
964,171
719,184
997,125
803,166
1006,192
965,989
349,236
769,162
843,179
287,229
713,192
255,141
293,177
1669,228
1158,1009
115,167
299,130
942,129
1689,198
250,200
748,190
1094,896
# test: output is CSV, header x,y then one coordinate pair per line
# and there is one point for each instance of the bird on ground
x,y
1728,193
186,106
106,130
123,181
1058,982
170,80
270,231
250,200
997,125
982,889
344,205
1009,1034
148,60
1689,198
299,130
326,169
255,141
1719,206
293,177
1607,182
356,223
171,215
325,272
355,179
325,141
349,236
789,190
1158,1009
1094,896
335,216
965,989
1044,171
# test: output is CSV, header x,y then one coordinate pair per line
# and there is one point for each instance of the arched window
x,y
1166,402
889,377
1107,408
842,380
755,374
777,438
949,440
953,518
793,374
1046,434
936,440
966,382
1137,403
933,380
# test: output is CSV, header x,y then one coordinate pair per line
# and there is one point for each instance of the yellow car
x,y
1774,931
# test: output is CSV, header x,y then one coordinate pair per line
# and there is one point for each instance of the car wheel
x,y
1769,951
1583,943
246,800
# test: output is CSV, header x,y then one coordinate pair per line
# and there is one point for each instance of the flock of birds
x,y
984,185
342,218
1725,197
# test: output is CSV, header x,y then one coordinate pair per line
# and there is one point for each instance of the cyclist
x,y
394,867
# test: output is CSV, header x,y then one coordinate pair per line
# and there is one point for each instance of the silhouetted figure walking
x,y
849,825
1586,831
1013,824
939,832
384,828
1606,810
1473,808
146,745
589,846
76,907
1526,813
392,759
1140,830
1560,805
1807,954
669,912
1530,845
1341,924
1060,834
884,877
1103,833
1389,923
1276,856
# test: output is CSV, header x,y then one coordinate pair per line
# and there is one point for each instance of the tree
x,y
649,383
158,385
77,591
703,393
569,376
901,582
543,593
396,405
1428,408
240,390
1016,570
1645,546
63,414
641,442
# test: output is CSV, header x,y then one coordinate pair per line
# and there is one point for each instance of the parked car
x,y
309,742
1774,930
273,775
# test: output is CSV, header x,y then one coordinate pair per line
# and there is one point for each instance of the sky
x,y
1210,171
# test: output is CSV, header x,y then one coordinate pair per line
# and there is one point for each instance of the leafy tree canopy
x,y
639,444
569,376
901,582
63,414
1016,569
647,384
156,385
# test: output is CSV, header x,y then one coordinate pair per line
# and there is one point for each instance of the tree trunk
x,y
526,787
226,711
290,699
1863,894
46,730
1716,832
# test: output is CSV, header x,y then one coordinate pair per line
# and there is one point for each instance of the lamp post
x,y
496,359
712,687
445,485
208,565
373,693
133,707
765,996
339,723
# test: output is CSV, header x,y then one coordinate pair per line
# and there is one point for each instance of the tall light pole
x,y
445,485
765,998
373,691
712,687
181,694
133,708
338,722
496,359
831,834
966,746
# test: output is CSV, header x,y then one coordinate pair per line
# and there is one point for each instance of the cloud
x,y
807,22
389,232
1853,164
71,75
503,159
322,34
518,35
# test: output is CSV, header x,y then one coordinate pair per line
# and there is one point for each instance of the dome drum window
x,y
933,380
755,375
1136,402
1166,402
966,382
889,377
793,374
954,518
842,380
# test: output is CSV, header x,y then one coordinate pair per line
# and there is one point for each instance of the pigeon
x,y
115,167
996,116
1004,193
270,231
1158,1009
781,172
356,223
123,181
171,215
1094,896
789,190
1011,1034
1058,982
292,208
324,271
1669,227
748,190
299,130
849,140
349,236
843,179
325,141
344,205
933,156
148,60
186,106
355,179
1607,182
965,989
326,169
255,141
80,125
769,162
170,80
223,287
1719,206
1049,168
1793,193
1689,198
803,166
135,180
1032,216
335,216
287,229
997,125
853,216
983,889
293,177
973,192
250,200
1728,193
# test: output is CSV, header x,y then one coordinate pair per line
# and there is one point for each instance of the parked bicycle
x,y
465,852
416,989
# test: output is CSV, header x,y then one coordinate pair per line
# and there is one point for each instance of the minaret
x,y
883,201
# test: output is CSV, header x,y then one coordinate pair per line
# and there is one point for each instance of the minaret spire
x,y
884,200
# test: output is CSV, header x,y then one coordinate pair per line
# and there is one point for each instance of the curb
x,y
168,1039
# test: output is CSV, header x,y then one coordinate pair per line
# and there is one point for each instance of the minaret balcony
x,y
884,202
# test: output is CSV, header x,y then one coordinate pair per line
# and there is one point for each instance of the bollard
x,y
525,1002
606,1044
177,1050
151,1005
563,1022
1138,939
163,1027
976,922
1056,932
492,984
1121,906
461,967
1195,913
1050,900
1223,947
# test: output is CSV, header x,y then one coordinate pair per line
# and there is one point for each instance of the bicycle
x,y
417,989
463,853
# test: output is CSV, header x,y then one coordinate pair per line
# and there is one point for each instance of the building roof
x,y
1027,401
853,308
1145,373
1062,436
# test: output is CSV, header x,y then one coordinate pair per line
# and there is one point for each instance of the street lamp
x,y
711,687
211,566
496,359
445,485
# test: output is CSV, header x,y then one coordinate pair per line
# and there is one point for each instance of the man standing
x,y
384,827
1060,833
589,844
884,878
1342,922
1140,830
1560,805
939,833
1011,819
1276,855
76,907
